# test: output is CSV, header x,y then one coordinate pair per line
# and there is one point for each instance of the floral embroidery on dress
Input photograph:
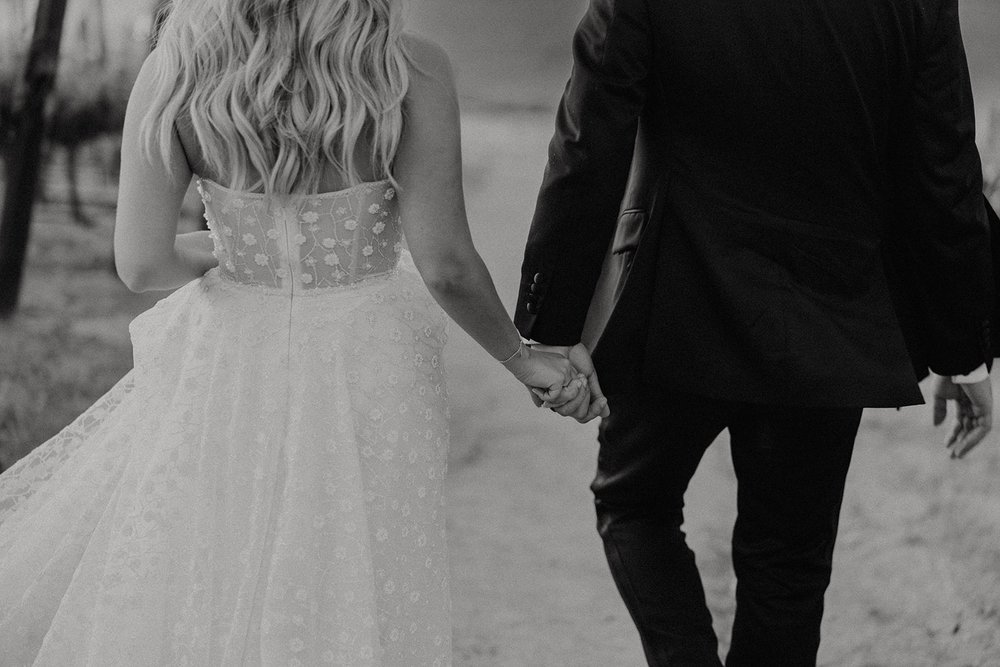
x,y
327,240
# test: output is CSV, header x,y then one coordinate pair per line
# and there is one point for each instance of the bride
x,y
266,486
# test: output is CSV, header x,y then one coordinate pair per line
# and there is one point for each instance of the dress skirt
x,y
265,487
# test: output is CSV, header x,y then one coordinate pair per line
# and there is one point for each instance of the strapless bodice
x,y
303,242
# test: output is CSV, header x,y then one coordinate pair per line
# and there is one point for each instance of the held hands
x,y
583,400
560,378
547,374
974,412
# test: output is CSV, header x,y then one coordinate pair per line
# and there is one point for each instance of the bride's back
x,y
281,96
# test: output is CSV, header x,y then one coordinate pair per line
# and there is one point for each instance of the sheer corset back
x,y
305,242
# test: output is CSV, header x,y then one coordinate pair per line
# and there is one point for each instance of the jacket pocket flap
x,y
630,226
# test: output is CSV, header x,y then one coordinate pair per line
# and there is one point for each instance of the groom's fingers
x,y
956,434
940,410
580,414
972,437
598,408
547,396
597,399
975,425
560,396
575,408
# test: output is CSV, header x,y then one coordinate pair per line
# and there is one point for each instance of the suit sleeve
x,y
950,239
588,165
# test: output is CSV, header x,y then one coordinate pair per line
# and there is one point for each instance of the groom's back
x,y
783,145
801,138
800,93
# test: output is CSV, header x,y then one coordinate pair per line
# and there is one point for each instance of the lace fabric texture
x,y
266,486
325,240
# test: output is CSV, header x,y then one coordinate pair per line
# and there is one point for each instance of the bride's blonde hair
x,y
280,87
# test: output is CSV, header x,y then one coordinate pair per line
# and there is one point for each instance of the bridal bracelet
x,y
519,352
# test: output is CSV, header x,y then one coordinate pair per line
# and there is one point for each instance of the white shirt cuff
x,y
977,375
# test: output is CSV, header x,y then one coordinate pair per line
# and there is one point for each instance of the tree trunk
x,y
25,158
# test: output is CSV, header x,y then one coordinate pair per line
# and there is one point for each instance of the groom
x,y
800,233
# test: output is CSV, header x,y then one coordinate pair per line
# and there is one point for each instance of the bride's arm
x,y
428,168
149,254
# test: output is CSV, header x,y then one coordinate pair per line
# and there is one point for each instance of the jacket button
x,y
531,307
535,289
539,278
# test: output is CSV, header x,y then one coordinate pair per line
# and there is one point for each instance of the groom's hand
x,y
587,404
973,412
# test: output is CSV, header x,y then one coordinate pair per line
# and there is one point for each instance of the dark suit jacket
x,y
806,192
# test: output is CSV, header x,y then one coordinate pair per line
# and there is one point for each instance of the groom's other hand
x,y
586,405
973,412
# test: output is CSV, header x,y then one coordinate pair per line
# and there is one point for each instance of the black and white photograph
x,y
499,333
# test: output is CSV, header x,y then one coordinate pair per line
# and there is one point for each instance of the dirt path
x,y
917,578
530,583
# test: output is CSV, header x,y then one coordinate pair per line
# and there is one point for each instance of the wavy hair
x,y
278,88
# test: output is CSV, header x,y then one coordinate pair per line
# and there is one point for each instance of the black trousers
x,y
791,465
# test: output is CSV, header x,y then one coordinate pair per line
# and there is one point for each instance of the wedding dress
x,y
265,487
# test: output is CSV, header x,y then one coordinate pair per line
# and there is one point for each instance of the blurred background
x,y
917,575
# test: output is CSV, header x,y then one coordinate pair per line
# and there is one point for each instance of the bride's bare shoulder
x,y
145,81
431,114
429,62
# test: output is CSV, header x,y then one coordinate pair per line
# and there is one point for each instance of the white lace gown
x,y
266,486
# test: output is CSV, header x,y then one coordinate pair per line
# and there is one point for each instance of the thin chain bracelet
x,y
518,352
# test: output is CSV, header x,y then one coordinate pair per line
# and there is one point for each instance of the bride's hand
x,y
590,403
548,374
